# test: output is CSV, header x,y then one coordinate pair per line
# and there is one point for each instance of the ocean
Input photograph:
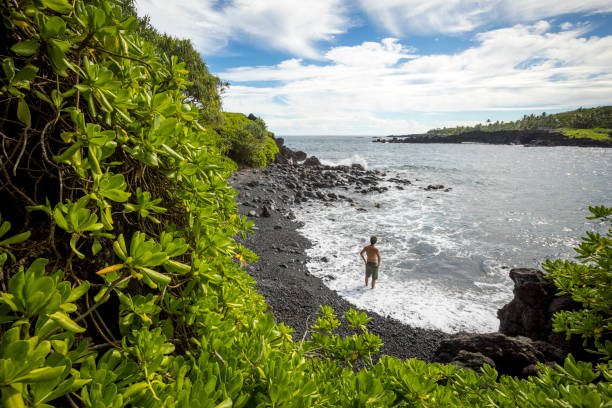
x,y
446,256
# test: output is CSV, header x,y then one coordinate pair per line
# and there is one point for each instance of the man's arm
x,y
378,256
361,254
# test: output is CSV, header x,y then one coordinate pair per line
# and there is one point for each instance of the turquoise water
x,y
446,255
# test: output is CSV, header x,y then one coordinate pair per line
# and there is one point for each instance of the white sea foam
x,y
354,159
417,283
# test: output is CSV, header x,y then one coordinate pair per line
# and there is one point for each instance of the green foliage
x,y
596,133
588,281
203,88
145,205
99,131
246,141
5,242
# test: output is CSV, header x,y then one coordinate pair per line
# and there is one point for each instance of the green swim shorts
x,y
372,270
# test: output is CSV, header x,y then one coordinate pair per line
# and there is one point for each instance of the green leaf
x,y
56,52
73,242
15,239
113,187
78,291
61,6
16,285
96,247
26,73
4,228
41,374
26,48
66,322
99,18
8,66
135,389
156,276
59,218
11,398
53,27
23,112
227,403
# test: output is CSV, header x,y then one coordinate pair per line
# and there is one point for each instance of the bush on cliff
x,y
245,140
203,89
120,282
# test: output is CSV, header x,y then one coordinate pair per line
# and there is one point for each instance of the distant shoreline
x,y
531,138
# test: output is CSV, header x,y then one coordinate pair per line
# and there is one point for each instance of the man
x,y
373,261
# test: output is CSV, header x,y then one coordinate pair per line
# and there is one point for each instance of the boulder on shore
x,y
511,355
312,161
531,311
525,334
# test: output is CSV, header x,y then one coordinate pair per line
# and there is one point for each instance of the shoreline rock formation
x,y
530,138
525,335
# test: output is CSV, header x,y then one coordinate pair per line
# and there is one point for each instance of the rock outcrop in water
x,y
286,155
525,334
504,137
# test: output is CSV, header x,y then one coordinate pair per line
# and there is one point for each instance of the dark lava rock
x,y
357,166
527,313
300,155
473,361
434,187
312,161
266,211
511,355
525,335
531,310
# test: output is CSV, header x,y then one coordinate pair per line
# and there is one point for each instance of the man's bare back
x,y
372,254
372,262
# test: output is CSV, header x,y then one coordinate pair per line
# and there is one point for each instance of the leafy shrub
x,y
246,141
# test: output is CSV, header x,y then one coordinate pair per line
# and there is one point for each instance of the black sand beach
x,y
292,293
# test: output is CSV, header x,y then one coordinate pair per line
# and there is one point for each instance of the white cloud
x,y
289,26
385,53
380,88
402,17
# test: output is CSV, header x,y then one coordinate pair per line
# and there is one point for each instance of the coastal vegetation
x,y
593,123
246,139
121,283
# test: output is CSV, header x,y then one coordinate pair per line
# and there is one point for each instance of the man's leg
x,y
374,276
366,280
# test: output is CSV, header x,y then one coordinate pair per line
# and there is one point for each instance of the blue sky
x,y
378,67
